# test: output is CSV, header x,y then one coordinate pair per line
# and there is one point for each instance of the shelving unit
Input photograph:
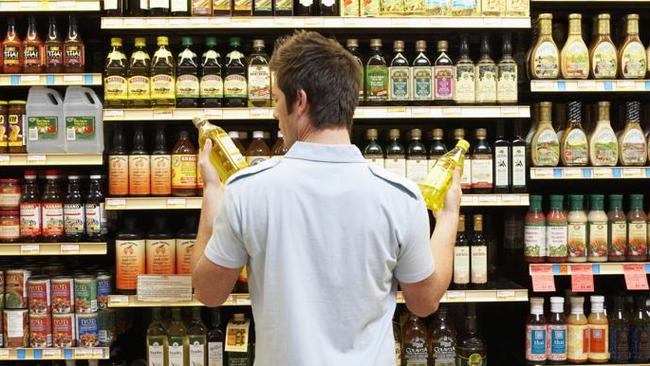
x,y
80,248
589,86
50,159
590,173
50,79
486,200
566,269
20,354
58,6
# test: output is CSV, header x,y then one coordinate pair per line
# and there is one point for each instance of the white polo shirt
x,y
326,237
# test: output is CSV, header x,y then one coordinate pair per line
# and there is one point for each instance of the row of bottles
x,y
50,54
188,80
602,60
577,235
470,256
458,8
436,78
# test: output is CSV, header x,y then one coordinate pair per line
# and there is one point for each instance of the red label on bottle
x,y
33,55
30,219
54,55
74,55
53,219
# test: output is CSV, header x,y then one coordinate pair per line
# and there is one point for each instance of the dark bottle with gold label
x,y
187,80
138,81
235,83
115,86
376,75
163,71
471,349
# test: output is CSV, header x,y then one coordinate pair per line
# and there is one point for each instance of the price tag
x,y
603,173
421,111
510,198
213,113
242,301
134,21
487,198
118,299
49,353
199,21
259,113
64,4
4,354
163,114
510,111
30,79
313,21
572,173
72,78
115,203
451,112
543,85
582,269
624,84
397,110
283,21
176,202
4,158
83,353
541,173
467,200
28,4
376,112
156,21
111,22
505,294
69,248
635,277
30,249
541,269
36,158
582,283
586,84
633,173
455,296
98,352
113,113
401,22
178,21
543,283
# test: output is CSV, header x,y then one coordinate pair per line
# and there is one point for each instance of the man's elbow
x,y
423,310
209,301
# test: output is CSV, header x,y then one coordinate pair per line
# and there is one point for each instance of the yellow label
x,y
243,5
259,82
183,171
139,87
221,5
115,88
578,342
162,86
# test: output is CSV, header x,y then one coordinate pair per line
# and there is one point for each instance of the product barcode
x,y
70,134
33,134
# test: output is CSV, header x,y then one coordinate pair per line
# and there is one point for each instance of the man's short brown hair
x,y
325,70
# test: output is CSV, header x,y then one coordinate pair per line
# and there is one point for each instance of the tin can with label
x,y
38,293
62,295
16,328
63,330
104,287
85,294
87,330
107,327
16,288
40,330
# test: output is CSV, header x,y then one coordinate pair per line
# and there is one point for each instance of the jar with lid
x,y
9,194
30,209
16,126
9,226
4,128
53,223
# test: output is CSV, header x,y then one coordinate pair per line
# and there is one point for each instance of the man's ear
x,y
301,102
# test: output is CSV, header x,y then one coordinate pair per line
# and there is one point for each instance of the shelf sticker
x,y
608,85
258,113
36,158
587,84
213,113
164,288
467,200
98,352
20,354
30,79
118,299
572,173
420,111
543,85
30,249
541,173
487,198
72,79
511,198
115,203
242,301
452,112
4,354
393,110
505,294
510,110
50,353
561,85
586,172
83,353
176,203
37,354
163,114
635,276
602,172
49,79
113,113
156,21
632,173
138,21
455,296
624,84
543,282
69,248
582,278
375,112
540,269
4,158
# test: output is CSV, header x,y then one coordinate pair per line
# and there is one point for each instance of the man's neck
x,y
330,136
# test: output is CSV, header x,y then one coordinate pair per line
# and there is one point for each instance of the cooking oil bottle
x,y
225,157
438,181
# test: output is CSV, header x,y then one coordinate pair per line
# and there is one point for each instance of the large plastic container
x,y
44,120
84,130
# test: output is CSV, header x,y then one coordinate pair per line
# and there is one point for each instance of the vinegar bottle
x,y
118,166
598,331
184,167
160,249
161,166
139,166
129,257
438,181
536,336
225,156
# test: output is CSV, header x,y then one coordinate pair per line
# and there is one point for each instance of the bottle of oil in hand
x,y
438,181
225,157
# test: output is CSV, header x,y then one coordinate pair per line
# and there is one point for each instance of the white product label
x,y
396,166
110,4
156,354
416,170
14,321
144,4
502,166
376,162
215,354
461,265
179,6
482,172
466,179
556,240
175,355
535,241
159,4
518,165
479,264
197,354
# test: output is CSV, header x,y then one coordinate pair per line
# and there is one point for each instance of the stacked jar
x,y
10,193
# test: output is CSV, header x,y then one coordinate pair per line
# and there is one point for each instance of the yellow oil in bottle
x,y
225,157
438,181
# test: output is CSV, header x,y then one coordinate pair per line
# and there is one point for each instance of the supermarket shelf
x,y
545,86
291,22
81,248
565,269
153,203
50,79
36,6
50,159
590,173
175,114
19,354
506,199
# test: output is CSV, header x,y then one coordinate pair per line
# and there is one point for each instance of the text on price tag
x,y
30,249
635,276
543,283
582,278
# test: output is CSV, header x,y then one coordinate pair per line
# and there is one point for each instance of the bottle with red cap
x,y
30,209
53,222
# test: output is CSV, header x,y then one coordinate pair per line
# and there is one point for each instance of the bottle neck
x,y
545,27
603,27
557,308
537,309
72,30
632,27
31,30
575,28
597,308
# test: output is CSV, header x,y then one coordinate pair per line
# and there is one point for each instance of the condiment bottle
x,y
603,54
598,331
211,82
399,76
139,166
74,216
376,88
556,230
461,276
443,75
544,57
414,341
187,79
518,160
160,249
598,230
478,255
161,165
395,154
129,257
545,147
422,75
437,148
74,54
578,332
235,84
118,166
536,335
443,339
507,74
632,58
556,333
373,152
637,233
139,82
33,50
280,148
115,84
465,92
466,178
258,150
502,161
603,145
535,232
577,229
640,332
163,74
52,208
486,75
619,333
225,156
185,240
574,58
184,160
53,49
12,50
574,146
617,229
416,158
30,209
96,220
352,45
259,76
632,145
482,164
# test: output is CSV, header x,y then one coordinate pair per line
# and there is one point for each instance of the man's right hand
x,y
208,172
452,200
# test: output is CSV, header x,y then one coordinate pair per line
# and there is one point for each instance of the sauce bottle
x,y
578,332
416,158
598,230
577,230
619,333
461,257
617,229
185,241
536,333
640,332
414,341
139,166
12,50
211,82
556,333
482,164
259,76
160,249
545,147
225,156
465,92
161,165
376,89
30,209
637,232
574,146
502,163
598,331
556,230
486,75
74,216
163,71
466,179
437,148
632,145
129,257
422,76
352,45
443,339
139,83
118,166
399,75
187,80
33,50
395,153
52,208
471,348
96,220
574,58
53,49
373,152
544,56
603,145
184,167
603,54
235,86
279,148
507,74
74,53
478,255
443,75
115,85
632,58
258,150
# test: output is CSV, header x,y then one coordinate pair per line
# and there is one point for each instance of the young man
x,y
326,236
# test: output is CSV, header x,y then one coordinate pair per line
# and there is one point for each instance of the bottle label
x,y
376,82
161,174
184,250
162,87
535,240
256,159
461,265
416,352
239,332
378,162
577,239
115,88
598,239
546,61
235,86
536,342
598,341
444,82
184,171
129,263
578,342
638,238
30,219
215,353
175,351
118,175
606,148
73,55
139,87
466,178
211,86
396,166
267,5
156,351
222,6
474,359
486,84
259,82
399,83
546,149
42,128
458,5
479,264
187,86
95,217
53,55
519,166
422,83
465,84
79,128
507,83
575,62
110,4
604,61
633,147
201,7
633,61
502,166
33,56
576,148
556,342
139,174
640,342
74,218
160,256
53,219
444,351
618,242
482,166
556,239
179,6
243,5
197,350
15,135
417,169
11,55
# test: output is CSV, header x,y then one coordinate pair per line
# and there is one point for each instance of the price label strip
x,y
635,276
582,278
543,279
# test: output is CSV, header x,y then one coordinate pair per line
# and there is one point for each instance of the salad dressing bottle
x,y
603,145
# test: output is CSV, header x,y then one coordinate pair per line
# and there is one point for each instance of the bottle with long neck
x,y
557,332
352,45
545,147
53,49
574,147
399,76
482,164
479,254
544,56
414,341
139,166
603,55
163,72
632,145
632,57
443,75
235,85
461,257
416,158
603,145
33,50
156,339
139,83
187,76
637,230
471,348
211,82
536,333
575,55
639,332
486,75
216,339
619,332
12,50
465,92
507,74
502,163
518,160
466,176
161,165
438,181
197,337
437,148
376,90
422,75
118,166
225,156
259,76
74,51
115,85
373,152
177,341
443,340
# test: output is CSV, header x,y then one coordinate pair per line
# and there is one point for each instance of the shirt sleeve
x,y
226,247
415,261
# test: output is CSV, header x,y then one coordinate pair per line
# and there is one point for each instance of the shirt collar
x,y
342,153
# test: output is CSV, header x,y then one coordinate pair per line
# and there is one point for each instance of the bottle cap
x,y
116,42
421,45
416,133
375,42
238,317
233,135
280,135
478,219
234,42
258,134
211,41
443,45
95,176
352,42
632,16
186,41
162,41
438,133
463,144
258,43
459,133
545,16
372,133
481,133
140,42
604,16
73,177
575,16
393,133
398,45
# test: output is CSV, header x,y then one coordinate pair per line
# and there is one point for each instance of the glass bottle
x,y
373,152
416,158
161,165
617,229
637,230
376,90
507,74
235,84
329,8
258,150
211,82
574,58
465,92
74,217
115,85
578,332
443,339
96,220
632,145
502,161
603,145
482,164
185,242
177,341
437,148
138,8
279,149
598,331
163,74
535,232
556,230
53,224
479,253
544,56
216,339
518,161
486,75
619,332
471,348
139,83
160,249
414,341
640,332
53,49
30,209
33,50
422,75
632,58
598,230
443,75
395,154
181,8
399,76
603,54
225,156
156,339
577,229
574,146
184,174
159,8
129,257
536,333
197,337
74,52
556,333
259,76
187,79
545,147
244,354
466,178
461,257
139,166
305,8
12,50
439,179
118,166
352,45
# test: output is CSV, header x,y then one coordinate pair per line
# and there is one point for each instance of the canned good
x,y
87,330
10,193
63,330
107,327
40,330
38,293
104,286
62,295
16,288
16,328
85,294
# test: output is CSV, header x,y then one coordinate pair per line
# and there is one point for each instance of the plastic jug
x,y
82,112
45,125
